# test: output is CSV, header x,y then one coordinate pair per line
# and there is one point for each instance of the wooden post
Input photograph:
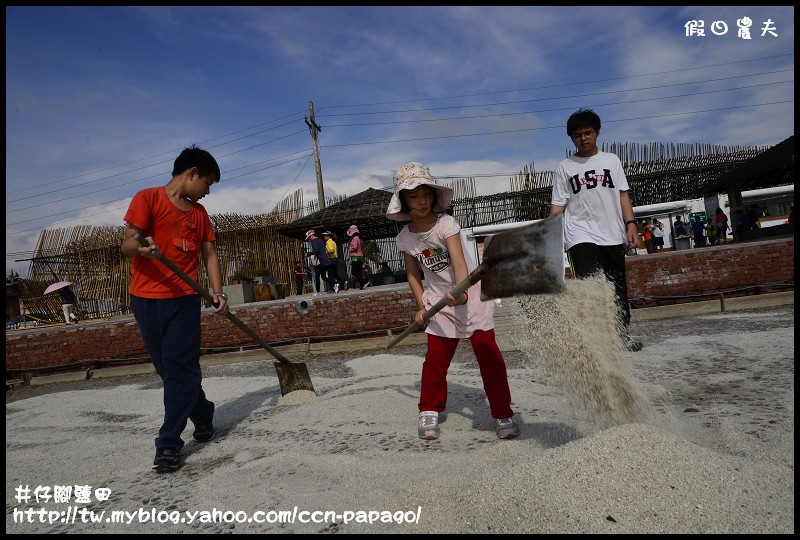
x,y
314,128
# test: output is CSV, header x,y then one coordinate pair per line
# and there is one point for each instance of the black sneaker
x,y
631,344
204,433
167,459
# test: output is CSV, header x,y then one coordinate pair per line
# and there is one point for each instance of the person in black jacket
x,y
319,252
68,304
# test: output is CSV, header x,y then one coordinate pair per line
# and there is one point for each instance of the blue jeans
x,y
170,329
319,270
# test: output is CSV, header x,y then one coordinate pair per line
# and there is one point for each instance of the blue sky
x,y
100,100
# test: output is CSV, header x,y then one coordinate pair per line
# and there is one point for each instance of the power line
x,y
115,200
682,70
661,86
429,120
658,87
172,153
410,110
605,121
227,178
558,108
395,141
145,167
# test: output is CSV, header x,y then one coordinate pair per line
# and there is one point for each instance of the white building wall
x,y
778,201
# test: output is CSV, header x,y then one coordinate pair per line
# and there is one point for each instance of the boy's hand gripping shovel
x,y
528,260
291,376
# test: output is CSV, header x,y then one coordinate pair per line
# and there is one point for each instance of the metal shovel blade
x,y
528,260
293,377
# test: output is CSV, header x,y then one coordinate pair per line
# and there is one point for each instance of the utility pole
x,y
314,128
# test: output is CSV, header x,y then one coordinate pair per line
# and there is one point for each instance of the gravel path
x,y
716,456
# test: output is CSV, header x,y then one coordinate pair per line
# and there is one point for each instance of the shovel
x,y
291,376
527,260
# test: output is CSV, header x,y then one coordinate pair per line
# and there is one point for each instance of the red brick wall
x,y
104,343
701,274
682,276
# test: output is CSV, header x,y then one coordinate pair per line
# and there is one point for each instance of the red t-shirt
x,y
177,233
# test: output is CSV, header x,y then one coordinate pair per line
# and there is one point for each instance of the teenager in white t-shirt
x,y
591,189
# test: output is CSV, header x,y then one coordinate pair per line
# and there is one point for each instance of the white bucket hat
x,y
410,176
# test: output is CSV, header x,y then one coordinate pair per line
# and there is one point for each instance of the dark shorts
x,y
659,241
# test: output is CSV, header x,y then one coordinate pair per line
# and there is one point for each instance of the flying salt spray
x,y
573,337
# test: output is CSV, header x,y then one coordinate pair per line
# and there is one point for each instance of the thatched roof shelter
x,y
366,210
90,257
770,168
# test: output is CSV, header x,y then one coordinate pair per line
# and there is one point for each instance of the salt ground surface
x,y
715,454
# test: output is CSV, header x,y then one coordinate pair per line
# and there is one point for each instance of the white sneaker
x,y
336,288
365,285
428,425
506,428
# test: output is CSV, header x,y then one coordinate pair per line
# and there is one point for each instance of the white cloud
x,y
100,100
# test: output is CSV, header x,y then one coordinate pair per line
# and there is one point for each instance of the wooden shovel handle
x,y
474,277
205,294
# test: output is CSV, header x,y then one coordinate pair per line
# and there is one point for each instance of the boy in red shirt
x,y
167,308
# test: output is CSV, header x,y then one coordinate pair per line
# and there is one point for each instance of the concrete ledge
x,y
714,306
71,376
297,352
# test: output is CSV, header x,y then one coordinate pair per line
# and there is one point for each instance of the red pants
x,y
433,395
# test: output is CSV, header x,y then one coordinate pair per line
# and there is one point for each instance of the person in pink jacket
x,y
356,257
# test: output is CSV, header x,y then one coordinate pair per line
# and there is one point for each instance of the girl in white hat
x,y
432,241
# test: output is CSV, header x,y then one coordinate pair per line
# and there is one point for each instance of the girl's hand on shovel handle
x,y
451,300
419,318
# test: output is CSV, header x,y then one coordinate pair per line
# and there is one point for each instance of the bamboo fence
x,y
90,258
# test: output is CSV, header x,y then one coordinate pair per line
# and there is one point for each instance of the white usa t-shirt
x,y
429,248
589,188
